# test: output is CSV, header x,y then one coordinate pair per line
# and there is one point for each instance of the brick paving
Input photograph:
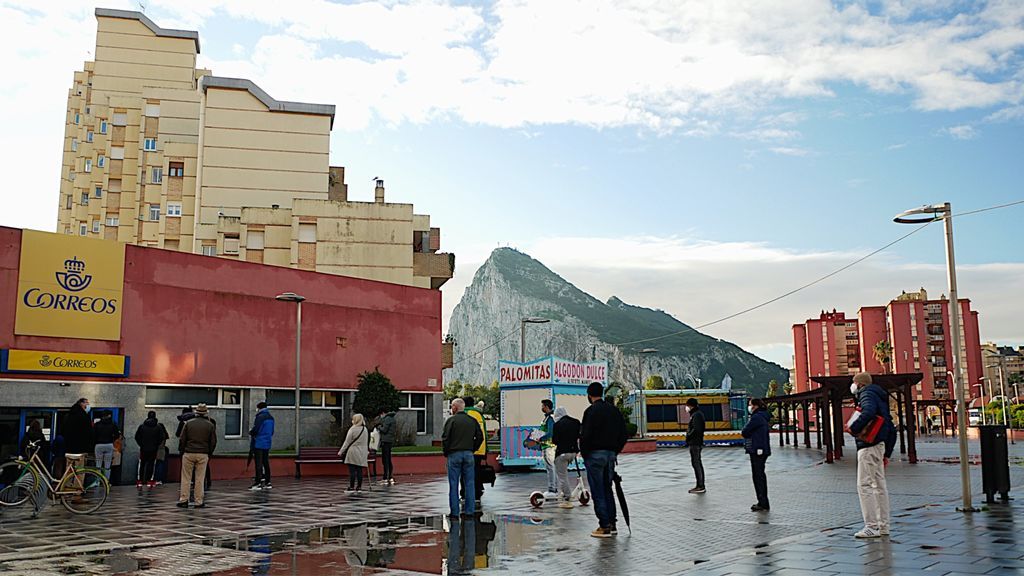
x,y
399,529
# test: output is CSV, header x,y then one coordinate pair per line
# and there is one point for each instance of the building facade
x,y
137,329
916,328
1012,363
160,153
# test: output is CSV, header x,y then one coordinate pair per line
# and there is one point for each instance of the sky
x,y
699,157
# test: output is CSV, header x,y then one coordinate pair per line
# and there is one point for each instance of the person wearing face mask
x,y
872,455
695,442
758,446
79,439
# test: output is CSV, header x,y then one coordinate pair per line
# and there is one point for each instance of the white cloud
x,y
791,151
898,146
962,132
1007,114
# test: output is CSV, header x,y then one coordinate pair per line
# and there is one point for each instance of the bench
x,y
328,455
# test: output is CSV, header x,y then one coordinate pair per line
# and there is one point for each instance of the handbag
x,y
870,432
487,474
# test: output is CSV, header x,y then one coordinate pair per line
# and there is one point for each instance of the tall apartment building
x,y
916,328
159,153
1012,362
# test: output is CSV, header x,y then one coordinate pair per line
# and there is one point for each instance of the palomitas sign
x,y
551,370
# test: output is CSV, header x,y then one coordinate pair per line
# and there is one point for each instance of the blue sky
x,y
694,158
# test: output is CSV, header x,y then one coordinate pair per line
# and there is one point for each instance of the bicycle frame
x,y
53,484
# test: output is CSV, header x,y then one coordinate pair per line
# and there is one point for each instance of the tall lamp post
x,y
924,215
293,297
1002,393
522,334
640,387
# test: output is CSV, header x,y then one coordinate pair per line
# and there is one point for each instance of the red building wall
x,y
872,331
802,383
199,320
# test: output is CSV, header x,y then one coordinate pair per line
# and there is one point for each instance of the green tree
x,y
376,394
654,382
452,390
491,395
788,387
773,388
882,351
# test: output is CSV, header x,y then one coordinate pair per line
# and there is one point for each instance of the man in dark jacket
x,y
387,429
77,429
695,442
105,433
759,447
149,436
461,437
602,437
872,455
261,435
567,446
197,442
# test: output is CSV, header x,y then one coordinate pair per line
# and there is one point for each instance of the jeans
x,y
760,479
478,477
193,466
600,469
160,470
874,495
562,462
385,456
698,465
460,470
462,547
147,463
549,467
262,458
355,476
104,458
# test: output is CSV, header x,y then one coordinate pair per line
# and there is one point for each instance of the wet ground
x,y
311,527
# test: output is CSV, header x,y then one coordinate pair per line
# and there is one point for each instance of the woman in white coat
x,y
354,452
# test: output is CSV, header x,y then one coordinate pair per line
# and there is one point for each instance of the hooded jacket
x,y
479,417
262,432
387,428
106,431
150,435
873,401
756,432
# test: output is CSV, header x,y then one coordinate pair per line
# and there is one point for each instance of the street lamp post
x,y
924,215
293,297
522,334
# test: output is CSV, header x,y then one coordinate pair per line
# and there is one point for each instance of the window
x,y
101,161
95,226
88,136
180,396
98,192
231,402
117,153
88,164
74,144
418,404
71,175
85,198
158,175
209,250
254,240
149,144
284,398
88,110
154,212
153,110
82,229
307,232
174,208
176,169
231,245
119,119
67,202
114,185
113,221
103,126
77,116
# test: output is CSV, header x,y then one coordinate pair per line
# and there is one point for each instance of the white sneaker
x,y
867,532
550,494
255,488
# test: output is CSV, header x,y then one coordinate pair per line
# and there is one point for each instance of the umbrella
x,y
622,499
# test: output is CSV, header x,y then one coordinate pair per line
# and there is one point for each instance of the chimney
x,y
378,192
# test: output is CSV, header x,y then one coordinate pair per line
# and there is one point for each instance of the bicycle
x,y
82,490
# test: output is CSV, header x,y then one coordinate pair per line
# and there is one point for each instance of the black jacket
x,y
150,435
695,430
77,432
43,445
106,431
756,434
603,428
461,432
567,436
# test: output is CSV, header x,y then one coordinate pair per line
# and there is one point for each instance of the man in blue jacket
x,y
872,456
759,447
261,436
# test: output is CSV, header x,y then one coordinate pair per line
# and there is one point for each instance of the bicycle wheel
x,y
18,481
89,490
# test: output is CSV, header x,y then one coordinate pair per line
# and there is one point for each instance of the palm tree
x,y
882,351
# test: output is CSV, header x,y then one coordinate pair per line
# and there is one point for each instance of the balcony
x,y
438,267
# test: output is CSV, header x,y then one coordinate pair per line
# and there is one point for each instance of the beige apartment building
x,y
160,153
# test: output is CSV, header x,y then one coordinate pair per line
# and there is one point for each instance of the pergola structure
x,y
828,400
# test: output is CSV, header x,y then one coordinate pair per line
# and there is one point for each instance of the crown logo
x,y
75,279
45,361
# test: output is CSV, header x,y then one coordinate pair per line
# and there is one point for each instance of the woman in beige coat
x,y
354,452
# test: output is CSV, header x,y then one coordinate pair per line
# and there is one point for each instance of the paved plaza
x,y
312,527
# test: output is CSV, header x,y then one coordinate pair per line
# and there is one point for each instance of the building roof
x,y
132,15
272,104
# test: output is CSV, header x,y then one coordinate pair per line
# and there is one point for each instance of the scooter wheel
x,y
584,498
537,499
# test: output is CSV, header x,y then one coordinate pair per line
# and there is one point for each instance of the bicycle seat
x,y
69,455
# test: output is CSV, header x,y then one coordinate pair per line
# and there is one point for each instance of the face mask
x,y
853,389
750,409
87,408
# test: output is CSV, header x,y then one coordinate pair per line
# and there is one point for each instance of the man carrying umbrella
x,y
602,437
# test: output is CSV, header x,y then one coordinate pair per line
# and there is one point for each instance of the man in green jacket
x,y
461,437
197,442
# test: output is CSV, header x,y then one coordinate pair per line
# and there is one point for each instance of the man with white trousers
x,y
873,454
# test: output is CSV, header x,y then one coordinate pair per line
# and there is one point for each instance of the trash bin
x,y
995,462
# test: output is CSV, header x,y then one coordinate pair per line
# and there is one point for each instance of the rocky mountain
x,y
511,285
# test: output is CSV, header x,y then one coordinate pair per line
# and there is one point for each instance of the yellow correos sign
x,y
42,362
69,287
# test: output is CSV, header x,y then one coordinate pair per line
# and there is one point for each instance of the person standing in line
x,y
262,436
566,437
79,438
758,445
197,442
160,466
602,438
461,437
695,442
150,435
354,451
34,433
187,414
547,447
872,456
387,429
106,432
480,454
